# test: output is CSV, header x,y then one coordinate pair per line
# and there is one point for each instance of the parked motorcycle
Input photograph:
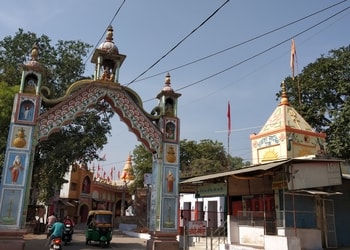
x,y
67,233
56,244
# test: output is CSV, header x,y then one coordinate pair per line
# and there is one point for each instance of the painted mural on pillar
x,y
15,168
10,206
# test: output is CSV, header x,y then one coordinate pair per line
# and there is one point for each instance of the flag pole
x,y
293,61
228,127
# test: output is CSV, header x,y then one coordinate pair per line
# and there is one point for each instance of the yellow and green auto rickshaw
x,y
100,227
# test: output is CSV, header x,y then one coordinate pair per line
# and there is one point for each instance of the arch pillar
x,y
165,175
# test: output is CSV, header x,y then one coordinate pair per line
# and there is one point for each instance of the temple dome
x,y
108,44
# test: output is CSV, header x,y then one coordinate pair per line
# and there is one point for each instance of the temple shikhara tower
x,y
286,135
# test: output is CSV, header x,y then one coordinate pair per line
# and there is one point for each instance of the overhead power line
x,y
173,48
241,43
104,32
258,54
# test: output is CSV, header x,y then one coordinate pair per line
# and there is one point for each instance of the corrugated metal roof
x,y
261,167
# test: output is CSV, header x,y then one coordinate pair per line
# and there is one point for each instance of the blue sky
x,y
147,30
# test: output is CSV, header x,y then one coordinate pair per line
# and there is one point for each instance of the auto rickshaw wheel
x,y
103,244
86,242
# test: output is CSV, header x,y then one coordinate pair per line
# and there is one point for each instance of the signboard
x,y
211,190
197,228
311,175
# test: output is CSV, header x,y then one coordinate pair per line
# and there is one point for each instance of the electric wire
x,y
104,32
241,43
222,51
181,41
258,54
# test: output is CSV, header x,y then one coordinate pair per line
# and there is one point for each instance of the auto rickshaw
x,y
100,227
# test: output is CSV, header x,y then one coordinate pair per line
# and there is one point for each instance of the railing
x,y
259,219
271,220
213,238
218,236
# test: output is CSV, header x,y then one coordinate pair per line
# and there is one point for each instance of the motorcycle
x,y
56,244
67,233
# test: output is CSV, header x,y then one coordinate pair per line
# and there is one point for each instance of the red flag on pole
x,y
293,54
229,118
112,172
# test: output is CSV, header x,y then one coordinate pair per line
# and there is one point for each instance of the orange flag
x,y
293,54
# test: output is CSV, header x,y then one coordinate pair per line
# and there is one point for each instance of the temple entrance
x,y
158,131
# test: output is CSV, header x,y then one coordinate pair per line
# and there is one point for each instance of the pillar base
x,y
162,240
12,239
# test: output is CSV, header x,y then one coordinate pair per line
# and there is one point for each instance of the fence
x,y
197,232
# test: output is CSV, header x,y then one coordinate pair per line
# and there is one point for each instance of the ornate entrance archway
x,y
159,132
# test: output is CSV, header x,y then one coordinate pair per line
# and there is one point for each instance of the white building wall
x,y
218,211
64,192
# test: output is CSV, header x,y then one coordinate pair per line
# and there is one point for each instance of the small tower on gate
x,y
168,99
32,74
163,220
107,59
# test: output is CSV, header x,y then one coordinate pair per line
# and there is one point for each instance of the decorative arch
x,y
149,128
84,94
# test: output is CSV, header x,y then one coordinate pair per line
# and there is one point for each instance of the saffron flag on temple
x,y
293,54
229,118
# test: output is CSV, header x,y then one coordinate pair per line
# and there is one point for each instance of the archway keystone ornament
x,y
158,131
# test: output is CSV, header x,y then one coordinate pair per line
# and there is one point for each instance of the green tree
x,y
142,164
323,99
63,61
205,157
79,141
85,136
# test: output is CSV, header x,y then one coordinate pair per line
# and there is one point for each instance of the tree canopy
x,y
320,93
196,158
79,141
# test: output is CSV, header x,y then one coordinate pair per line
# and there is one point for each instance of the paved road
x,y
119,241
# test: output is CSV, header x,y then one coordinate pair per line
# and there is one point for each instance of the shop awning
x,y
318,192
262,167
66,203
